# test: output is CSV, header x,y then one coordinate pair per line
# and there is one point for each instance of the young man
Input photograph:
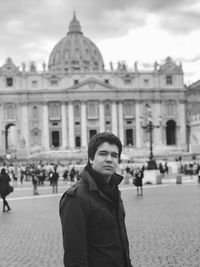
x,y
92,212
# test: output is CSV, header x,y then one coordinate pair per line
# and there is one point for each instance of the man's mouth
x,y
108,167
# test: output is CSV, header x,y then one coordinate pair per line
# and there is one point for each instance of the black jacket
x,y
4,184
94,232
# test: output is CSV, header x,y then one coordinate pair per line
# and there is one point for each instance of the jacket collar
x,y
92,184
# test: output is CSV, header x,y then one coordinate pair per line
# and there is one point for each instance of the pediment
x,y
92,85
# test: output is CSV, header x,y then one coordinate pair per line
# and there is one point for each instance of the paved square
x,y
163,227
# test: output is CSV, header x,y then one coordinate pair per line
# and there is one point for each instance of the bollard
x,y
126,179
178,179
159,178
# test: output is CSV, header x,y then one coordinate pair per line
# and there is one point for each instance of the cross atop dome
x,y
74,26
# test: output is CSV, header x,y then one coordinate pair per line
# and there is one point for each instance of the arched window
x,y
54,111
107,110
128,109
77,113
92,109
35,137
35,112
10,112
171,108
171,133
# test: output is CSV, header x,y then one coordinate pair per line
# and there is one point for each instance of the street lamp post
x,y
149,126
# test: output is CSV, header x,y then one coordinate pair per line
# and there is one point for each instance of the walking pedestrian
x,y
54,180
92,213
138,181
5,188
34,181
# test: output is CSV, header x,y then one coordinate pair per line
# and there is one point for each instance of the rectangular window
x,y
127,81
9,82
169,79
34,84
54,82
106,81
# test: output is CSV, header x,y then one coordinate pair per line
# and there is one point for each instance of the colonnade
x,y
118,124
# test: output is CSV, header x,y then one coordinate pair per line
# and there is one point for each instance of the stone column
x,y
24,125
83,125
139,133
121,122
45,130
64,125
101,116
71,125
156,120
2,129
182,119
114,118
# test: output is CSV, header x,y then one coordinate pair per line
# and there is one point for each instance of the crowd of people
x,y
41,173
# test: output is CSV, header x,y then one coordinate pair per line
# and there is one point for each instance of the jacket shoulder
x,y
77,189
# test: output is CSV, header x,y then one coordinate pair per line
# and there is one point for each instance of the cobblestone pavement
x,y
163,227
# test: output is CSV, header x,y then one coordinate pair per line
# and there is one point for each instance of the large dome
x,y
75,52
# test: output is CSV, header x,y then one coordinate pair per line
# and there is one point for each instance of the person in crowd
x,y
34,180
72,175
5,189
92,212
65,174
41,175
14,177
138,181
166,167
161,168
54,180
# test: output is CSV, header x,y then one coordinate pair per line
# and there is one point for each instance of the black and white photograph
x,y
100,133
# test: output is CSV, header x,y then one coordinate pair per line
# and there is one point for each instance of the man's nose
x,y
108,158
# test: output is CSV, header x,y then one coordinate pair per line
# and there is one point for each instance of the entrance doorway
x,y
129,137
77,141
55,135
171,132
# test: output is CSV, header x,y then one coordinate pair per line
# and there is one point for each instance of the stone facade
x,y
62,106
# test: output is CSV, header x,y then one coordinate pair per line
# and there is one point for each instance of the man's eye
x,y
114,155
103,154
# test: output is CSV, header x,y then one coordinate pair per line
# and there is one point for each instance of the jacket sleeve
x,y
74,229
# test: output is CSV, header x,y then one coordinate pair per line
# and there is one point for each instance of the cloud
x,y
31,28
116,17
181,23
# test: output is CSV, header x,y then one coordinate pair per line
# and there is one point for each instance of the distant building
x,y
193,117
75,97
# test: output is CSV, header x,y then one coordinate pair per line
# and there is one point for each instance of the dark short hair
x,y
101,138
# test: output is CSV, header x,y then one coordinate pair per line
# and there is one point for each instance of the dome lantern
x,y
74,26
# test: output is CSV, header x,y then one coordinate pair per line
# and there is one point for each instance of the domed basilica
x,y
57,110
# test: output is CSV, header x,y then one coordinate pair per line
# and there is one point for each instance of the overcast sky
x,y
131,30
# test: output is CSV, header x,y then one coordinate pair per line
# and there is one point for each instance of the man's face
x,y
105,159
